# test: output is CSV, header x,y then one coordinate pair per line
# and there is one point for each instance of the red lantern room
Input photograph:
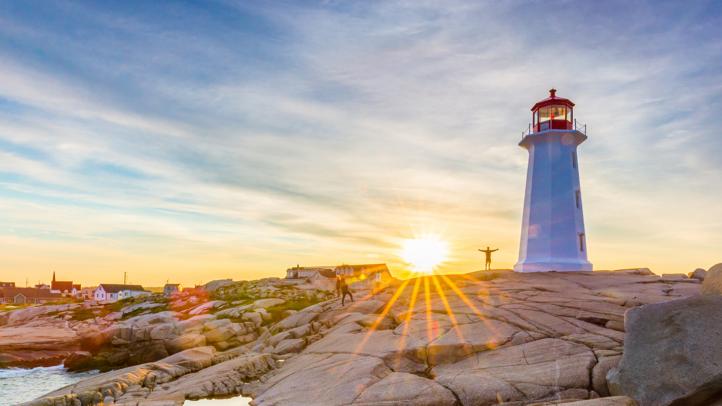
x,y
552,113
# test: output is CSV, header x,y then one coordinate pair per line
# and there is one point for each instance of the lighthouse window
x,y
545,114
578,197
558,113
574,159
581,242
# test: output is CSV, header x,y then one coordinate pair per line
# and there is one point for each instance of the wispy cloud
x,y
203,140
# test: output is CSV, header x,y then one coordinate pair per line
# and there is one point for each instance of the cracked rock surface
x,y
476,339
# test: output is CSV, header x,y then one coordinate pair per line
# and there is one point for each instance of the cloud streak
x,y
191,142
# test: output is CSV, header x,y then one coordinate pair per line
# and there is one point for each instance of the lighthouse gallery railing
x,y
578,126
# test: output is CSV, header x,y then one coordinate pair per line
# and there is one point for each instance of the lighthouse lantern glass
x,y
552,117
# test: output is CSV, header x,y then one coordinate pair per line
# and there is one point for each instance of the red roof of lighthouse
x,y
552,100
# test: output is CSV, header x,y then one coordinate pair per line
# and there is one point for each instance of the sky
x,y
190,141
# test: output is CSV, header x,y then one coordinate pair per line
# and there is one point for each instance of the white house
x,y
110,292
301,272
361,276
87,293
171,289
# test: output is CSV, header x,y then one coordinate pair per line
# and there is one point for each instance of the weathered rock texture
x,y
31,337
475,339
698,273
713,281
672,353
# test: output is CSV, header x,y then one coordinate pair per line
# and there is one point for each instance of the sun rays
x,y
439,287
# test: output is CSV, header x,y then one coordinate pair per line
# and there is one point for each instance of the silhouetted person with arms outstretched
x,y
488,252
345,291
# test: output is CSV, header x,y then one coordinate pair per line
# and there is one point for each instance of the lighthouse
x,y
552,231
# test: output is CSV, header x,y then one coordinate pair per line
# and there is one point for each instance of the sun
x,y
424,253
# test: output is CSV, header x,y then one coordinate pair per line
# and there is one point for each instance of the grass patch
x,y
11,307
84,313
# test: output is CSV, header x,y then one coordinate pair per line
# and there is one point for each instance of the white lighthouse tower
x,y
552,232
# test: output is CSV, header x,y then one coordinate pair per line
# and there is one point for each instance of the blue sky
x,y
193,140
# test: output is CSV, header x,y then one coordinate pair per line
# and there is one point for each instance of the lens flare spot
x,y
424,253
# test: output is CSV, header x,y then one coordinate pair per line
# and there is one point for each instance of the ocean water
x,y
18,385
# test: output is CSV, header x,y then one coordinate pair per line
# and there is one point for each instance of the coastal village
x,y
58,291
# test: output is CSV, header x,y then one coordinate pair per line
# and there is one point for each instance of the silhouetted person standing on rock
x,y
338,286
488,252
345,291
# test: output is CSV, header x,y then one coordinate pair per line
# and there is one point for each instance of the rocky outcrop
x,y
36,344
535,370
474,339
399,388
698,273
672,353
712,284
118,383
512,337
212,286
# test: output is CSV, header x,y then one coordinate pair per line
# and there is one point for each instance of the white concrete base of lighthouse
x,y
571,266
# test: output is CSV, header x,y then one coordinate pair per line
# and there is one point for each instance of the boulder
x,y
672,353
399,388
466,339
301,331
79,360
206,307
212,286
222,379
165,331
253,317
599,373
274,340
698,274
195,323
322,379
290,345
146,320
534,370
219,330
295,320
29,313
266,303
184,342
712,284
